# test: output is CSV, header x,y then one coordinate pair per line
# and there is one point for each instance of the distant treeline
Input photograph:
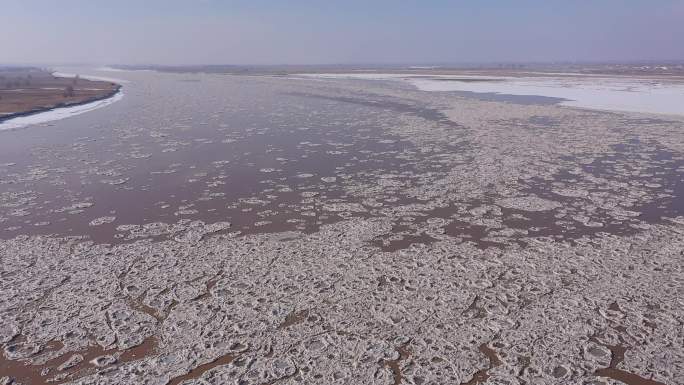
x,y
664,67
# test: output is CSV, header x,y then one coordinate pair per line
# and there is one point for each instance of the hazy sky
x,y
348,31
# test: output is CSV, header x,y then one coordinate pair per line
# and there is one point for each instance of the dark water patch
x,y
614,373
294,318
509,98
394,365
70,366
198,371
483,375
384,103
399,240
545,121
635,184
469,232
464,80
647,121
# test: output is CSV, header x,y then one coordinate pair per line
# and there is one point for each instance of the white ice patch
x,y
613,94
594,92
110,69
365,75
57,113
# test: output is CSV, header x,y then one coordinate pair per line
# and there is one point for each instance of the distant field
x,y
647,69
28,90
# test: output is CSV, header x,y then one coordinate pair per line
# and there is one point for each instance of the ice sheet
x,y
602,93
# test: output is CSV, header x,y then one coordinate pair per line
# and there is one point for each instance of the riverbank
x,y
28,91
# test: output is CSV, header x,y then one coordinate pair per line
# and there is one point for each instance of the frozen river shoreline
x,y
59,113
593,92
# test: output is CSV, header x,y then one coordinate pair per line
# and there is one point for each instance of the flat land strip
x,y
25,91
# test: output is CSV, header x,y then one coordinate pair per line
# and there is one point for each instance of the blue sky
x,y
350,31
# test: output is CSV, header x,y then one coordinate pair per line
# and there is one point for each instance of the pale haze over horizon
x,y
178,32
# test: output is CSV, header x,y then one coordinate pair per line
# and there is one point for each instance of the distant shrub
x,y
68,91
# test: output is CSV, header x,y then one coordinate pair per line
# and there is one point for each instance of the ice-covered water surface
x,y
612,94
601,93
